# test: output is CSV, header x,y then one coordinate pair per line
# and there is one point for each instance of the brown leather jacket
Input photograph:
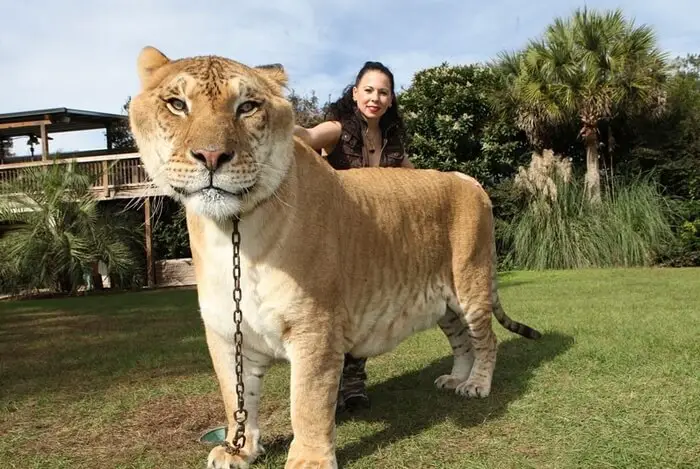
x,y
351,151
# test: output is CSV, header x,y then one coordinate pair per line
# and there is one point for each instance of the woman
x,y
364,129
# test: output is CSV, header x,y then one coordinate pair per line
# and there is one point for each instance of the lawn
x,y
124,381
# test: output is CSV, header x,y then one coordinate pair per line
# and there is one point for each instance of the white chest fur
x,y
266,293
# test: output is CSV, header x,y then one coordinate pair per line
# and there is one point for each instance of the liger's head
x,y
212,132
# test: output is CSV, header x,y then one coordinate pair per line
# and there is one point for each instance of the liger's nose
x,y
211,159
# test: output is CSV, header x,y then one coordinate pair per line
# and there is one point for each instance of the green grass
x,y
124,381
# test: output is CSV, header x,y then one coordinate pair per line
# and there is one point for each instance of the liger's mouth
x,y
214,191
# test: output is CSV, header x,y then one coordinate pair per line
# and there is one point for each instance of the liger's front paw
x,y
219,458
311,457
303,463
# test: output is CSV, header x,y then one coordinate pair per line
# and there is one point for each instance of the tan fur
x,y
332,262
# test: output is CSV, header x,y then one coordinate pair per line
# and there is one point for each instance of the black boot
x,y
352,394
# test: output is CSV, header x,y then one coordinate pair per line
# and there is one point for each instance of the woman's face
x,y
373,94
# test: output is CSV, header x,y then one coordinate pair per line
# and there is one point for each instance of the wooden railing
x,y
116,176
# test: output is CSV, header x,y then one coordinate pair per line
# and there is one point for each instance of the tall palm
x,y
59,231
589,68
527,93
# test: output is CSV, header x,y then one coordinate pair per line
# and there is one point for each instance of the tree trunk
x,y
592,167
611,148
65,284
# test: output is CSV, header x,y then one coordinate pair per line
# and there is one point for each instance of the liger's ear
x,y
274,72
149,61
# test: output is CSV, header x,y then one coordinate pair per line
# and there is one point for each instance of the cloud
x,y
83,54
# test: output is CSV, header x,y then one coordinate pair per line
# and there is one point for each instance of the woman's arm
x,y
323,136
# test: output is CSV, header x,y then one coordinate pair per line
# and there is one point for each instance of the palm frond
x,y
592,65
60,231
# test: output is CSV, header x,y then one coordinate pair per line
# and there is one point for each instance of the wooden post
x,y
150,266
105,179
108,131
44,142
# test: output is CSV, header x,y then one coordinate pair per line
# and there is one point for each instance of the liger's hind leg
x,y
475,303
458,335
484,342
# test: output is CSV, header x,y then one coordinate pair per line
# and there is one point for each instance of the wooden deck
x,y
117,176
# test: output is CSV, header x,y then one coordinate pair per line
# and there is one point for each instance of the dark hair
x,y
344,107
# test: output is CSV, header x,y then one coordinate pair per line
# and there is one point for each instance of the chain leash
x,y
240,415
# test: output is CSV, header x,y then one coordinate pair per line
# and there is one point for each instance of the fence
x,y
115,176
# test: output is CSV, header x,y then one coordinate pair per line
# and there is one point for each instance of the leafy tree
x,y
671,146
170,237
120,133
59,232
590,68
670,149
450,124
307,111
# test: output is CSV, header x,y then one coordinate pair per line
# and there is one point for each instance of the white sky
x,y
82,54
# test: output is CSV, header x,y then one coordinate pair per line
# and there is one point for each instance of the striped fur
x,y
331,262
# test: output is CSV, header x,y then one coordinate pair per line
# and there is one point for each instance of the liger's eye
x,y
247,107
177,104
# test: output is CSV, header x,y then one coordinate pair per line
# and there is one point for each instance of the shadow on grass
x,y
71,345
409,404
90,344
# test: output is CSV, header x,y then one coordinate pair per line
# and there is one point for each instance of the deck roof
x,y
61,119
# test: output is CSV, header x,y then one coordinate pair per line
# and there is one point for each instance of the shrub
x,y
170,237
686,251
632,226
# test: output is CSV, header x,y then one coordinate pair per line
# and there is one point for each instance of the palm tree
x,y
589,68
59,232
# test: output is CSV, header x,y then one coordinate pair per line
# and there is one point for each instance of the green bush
x,y
631,227
686,251
170,237
450,124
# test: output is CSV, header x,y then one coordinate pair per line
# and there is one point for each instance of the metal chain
x,y
240,415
